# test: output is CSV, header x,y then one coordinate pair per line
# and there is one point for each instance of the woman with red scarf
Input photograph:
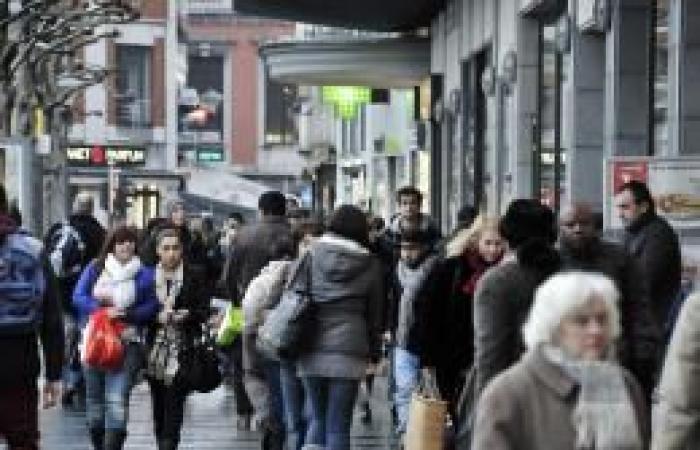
x,y
449,325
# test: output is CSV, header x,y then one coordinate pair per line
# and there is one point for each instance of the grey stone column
x,y
626,88
583,98
684,78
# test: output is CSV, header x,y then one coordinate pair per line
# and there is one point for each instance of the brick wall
x,y
157,83
154,9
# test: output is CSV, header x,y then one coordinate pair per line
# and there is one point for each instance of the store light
x,y
346,100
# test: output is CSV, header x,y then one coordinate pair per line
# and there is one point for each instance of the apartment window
x,y
133,86
658,78
280,126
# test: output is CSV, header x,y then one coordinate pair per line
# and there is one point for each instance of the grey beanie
x,y
83,203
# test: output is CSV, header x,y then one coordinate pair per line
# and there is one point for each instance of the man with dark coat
x,y
19,387
581,248
92,236
249,252
653,244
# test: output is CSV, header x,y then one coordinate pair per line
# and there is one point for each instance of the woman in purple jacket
x,y
116,280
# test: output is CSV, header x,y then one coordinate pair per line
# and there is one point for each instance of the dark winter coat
x,y
194,297
251,251
654,245
21,364
501,304
640,344
93,236
450,325
348,294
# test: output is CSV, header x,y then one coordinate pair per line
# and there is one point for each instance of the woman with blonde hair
x,y
449,326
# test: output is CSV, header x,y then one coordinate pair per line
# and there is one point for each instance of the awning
x,y
384,15
225,187
381,63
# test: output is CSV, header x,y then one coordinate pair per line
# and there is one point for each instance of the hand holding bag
x,y
199,364
231,326
102,347
281,336
426,418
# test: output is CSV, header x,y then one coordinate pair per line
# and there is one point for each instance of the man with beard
x,y
581,248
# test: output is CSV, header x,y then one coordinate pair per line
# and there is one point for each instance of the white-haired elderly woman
x,y
567,392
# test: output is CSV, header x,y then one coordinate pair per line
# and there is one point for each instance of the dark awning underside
x,y
383,15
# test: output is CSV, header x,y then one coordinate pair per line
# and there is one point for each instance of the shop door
x,y
549,182
475,125
143,204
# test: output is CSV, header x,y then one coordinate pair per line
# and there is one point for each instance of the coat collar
x,y
549,374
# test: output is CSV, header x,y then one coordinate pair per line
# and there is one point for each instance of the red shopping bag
x,y
102,345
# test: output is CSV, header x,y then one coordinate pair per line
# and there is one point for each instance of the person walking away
x,y
504,294
183,294
654,245
249,252
30,311
468,255
261,375
568,391
293,399
676,414
117,281
347,293
414,279
581,248
70,246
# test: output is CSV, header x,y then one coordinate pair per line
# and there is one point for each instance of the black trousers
x,y
19,416
168,410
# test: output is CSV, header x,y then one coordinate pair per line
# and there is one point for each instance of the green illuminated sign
x,y
346,100
210,154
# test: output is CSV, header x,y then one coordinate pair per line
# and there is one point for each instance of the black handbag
x,y
200,368
286,328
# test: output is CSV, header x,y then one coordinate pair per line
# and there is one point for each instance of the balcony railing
x,y
209,6
313,32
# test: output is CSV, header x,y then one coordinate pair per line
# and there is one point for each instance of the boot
x,y
167,444
114,439
97,437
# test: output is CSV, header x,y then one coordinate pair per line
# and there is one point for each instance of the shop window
x,y
133,86
280,101
549,165
658,78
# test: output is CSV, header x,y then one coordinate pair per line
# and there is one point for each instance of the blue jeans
x,y
293,399
332,401
406,371
107,392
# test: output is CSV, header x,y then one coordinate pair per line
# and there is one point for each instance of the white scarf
x,y
118,280
604,416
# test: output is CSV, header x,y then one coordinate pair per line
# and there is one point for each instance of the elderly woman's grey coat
x,y
348,293
530,406
677,415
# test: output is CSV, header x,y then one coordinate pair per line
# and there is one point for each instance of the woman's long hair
x,y
118,234
468,238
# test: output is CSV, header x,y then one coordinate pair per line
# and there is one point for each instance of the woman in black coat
x,y
449,327
183,294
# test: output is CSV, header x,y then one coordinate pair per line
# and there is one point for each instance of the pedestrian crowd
x,y
530,331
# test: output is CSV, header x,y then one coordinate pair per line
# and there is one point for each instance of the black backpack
x,y
66,251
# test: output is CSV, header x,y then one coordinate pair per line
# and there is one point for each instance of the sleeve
x,y
199,307
233,272
83,301
375,310
496,420
51,333
436,294
660,250
494,336
147,305
642,337
677,414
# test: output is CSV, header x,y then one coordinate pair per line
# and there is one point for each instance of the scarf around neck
x,y
168,285
118,280
604,417
477,267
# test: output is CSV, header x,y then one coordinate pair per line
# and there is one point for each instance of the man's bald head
x,y
577,225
